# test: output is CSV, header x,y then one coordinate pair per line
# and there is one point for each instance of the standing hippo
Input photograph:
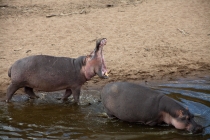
x,y
134,103
49,73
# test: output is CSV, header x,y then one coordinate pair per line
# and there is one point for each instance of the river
x,y
49,118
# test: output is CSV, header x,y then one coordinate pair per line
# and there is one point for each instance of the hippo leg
x,y
10,91
76,94
67,94
30,92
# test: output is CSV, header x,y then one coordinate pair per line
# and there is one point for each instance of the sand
x,y
147,40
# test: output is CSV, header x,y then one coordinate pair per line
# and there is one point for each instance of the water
x,y
48,118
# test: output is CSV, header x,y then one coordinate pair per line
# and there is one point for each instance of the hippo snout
x,y
104,75
195,129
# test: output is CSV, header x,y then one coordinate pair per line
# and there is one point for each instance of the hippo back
x,y
47,73
130,102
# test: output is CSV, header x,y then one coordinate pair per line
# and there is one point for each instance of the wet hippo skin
x,y
49,73
134,103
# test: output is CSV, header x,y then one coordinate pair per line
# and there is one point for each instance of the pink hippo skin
x,y
49,73
134,103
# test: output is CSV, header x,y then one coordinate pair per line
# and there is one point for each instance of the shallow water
x,y
48,118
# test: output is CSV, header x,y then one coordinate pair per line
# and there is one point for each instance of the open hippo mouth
x,y
95,63
103,73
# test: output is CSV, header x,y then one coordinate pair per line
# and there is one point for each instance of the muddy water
x,y
48,118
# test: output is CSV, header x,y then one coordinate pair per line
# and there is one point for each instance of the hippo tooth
x,y
106,73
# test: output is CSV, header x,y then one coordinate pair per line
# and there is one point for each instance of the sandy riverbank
x,y
147,40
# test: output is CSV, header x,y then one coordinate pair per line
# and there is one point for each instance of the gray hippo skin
x,y
134,103
49,73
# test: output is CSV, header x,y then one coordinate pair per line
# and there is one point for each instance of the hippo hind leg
x,y
10,91
30,92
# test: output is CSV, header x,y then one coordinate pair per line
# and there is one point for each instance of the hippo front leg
x,y
30,92
76,94
67,94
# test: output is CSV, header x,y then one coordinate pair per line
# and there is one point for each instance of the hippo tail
x,y
9,72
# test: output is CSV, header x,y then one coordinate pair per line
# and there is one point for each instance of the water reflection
x,y
49,118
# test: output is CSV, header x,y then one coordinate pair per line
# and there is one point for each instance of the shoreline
x,y
92,85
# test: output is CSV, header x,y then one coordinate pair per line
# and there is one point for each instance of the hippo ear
x,y
86,59
91,55
179,113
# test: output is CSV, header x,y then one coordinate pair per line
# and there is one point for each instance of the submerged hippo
x,y
49,73
134,103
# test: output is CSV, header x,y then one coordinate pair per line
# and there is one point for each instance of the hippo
x,y
135,103
50,73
